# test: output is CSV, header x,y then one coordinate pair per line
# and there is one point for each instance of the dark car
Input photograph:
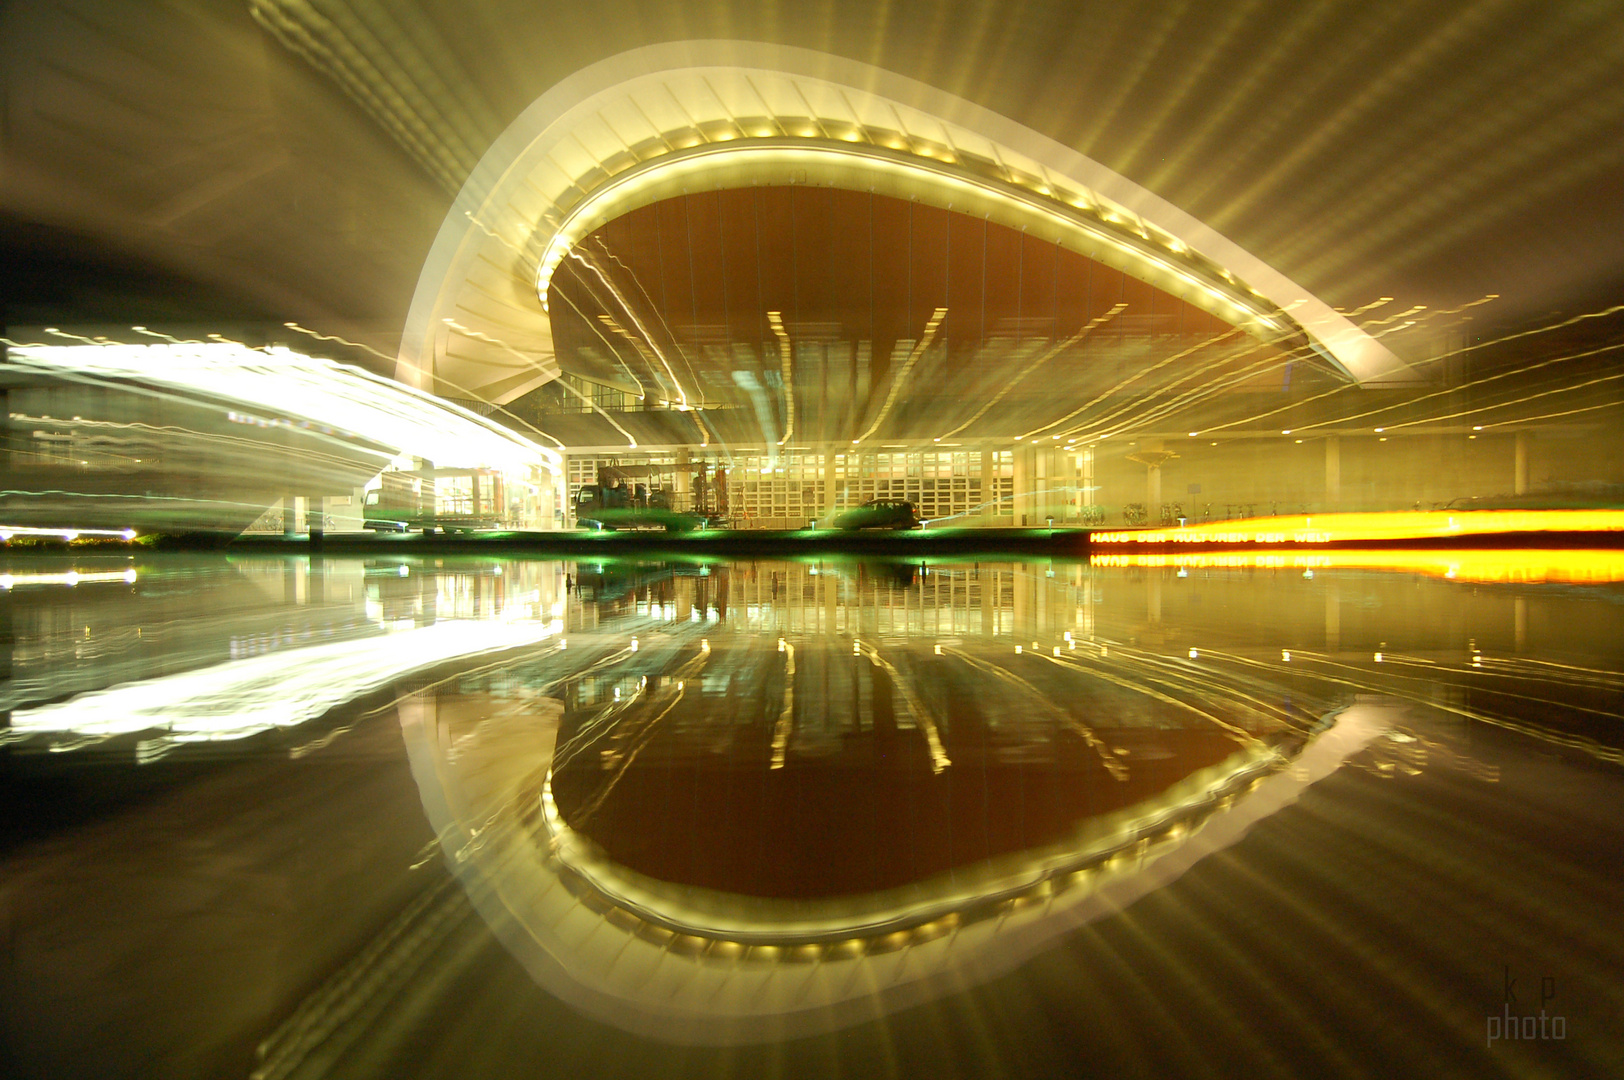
x,y
880,514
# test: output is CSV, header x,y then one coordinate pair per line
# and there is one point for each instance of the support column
x,y
988,471
315,511
828,586
547,486
290,516
1153,483
827,517
8,647
1519,481
1333,472
1044,483
1023,484
1333,618
988,615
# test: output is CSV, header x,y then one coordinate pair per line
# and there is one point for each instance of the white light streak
x,y
332,398
278,690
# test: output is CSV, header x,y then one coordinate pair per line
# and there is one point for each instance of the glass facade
x,y
785,490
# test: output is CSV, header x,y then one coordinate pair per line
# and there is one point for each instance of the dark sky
x,y
1430,151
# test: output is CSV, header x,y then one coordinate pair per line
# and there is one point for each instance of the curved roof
x,y
660,120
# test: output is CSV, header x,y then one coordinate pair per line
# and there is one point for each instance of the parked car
x,y
880,514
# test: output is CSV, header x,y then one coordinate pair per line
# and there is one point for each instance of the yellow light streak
x,y
69,578
927,722
785,360
901,376
1399,525
786,709
1471,566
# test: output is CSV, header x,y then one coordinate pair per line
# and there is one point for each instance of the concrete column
x,y
1333,472
988,584
315,510
684,479
987,472
8,647
1042,481
290,516
828,499
1153,484
1017,615
828,585
1333,618
1153,596
1041,620
1519,482
1023,484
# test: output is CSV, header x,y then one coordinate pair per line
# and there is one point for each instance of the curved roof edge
x,y
517,212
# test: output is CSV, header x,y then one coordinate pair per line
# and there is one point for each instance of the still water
x,y
488,817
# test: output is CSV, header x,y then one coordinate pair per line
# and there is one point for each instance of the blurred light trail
x,y
482,336
786,359
1048,354
442,381
240,698
1452,354
902,376
8,531
921,712
1398,525
68,577
626,306
1137,375
338,398
1585,567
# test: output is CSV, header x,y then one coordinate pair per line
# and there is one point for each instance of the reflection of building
x,y
723,792
96,659
679,954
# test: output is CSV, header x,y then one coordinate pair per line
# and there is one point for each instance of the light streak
x,y
482,336
785,360
66,533
69,578
1141,373
625,305
896,383
325,393
1044,356
437,377
786,709
927,722
283,689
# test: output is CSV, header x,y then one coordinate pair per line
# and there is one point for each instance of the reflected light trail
x,y
1354,528
241,698
1473,566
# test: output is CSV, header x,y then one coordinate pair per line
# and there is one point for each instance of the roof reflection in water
x,y
807,793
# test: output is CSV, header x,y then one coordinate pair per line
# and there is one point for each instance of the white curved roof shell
x,y
658,121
